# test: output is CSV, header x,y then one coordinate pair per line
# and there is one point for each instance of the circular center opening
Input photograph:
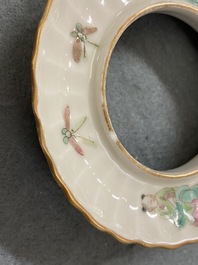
x,y
152,91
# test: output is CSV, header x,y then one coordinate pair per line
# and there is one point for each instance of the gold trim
x,y
52,165
132,19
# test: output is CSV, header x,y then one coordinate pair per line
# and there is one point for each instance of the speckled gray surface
x,y
37,223
152,91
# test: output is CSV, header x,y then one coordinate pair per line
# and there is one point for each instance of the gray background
x,y
152,93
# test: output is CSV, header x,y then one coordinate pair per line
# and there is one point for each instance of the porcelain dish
x,y
117,194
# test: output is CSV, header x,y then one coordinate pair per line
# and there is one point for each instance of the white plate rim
x,y
52,165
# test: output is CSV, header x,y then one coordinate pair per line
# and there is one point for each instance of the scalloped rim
x,y
52,165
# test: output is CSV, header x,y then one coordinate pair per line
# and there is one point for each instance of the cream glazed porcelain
x,y
115,192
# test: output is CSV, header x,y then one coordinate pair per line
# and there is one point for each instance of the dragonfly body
x,y
68,134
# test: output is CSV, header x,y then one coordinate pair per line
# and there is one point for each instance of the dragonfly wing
x,y
89,30
67,118
76,146
77,50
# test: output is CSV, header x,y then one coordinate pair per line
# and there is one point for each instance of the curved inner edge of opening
x,y
190,17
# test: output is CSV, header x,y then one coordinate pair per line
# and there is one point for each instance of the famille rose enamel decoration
x,y
80,34
178,204
71,136
115,192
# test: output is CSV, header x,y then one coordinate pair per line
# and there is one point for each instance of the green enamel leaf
x,y
64,131
65,140
79,27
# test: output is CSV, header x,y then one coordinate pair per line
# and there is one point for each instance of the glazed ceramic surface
x,y
116,193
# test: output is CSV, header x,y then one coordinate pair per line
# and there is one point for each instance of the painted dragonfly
x,y
80,34
70,135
